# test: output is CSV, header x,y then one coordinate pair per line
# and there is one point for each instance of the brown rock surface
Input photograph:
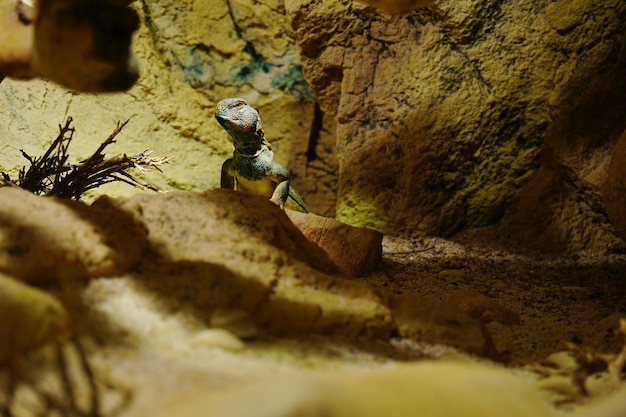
x,y
257,261
30,318
398,6
60,41
355,250
224,249
15,40
233,261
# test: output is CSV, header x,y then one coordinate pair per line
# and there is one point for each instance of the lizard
x,y
252,168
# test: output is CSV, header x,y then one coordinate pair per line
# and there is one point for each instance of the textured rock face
x,y
442,114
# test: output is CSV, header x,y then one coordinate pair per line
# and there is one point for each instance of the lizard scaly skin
x,y
252,168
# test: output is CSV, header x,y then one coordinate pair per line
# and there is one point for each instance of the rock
x,y
224,258
564,361
228,250
560,384
482,308
420,319
44,239
15,41
355,250
446,116
218,338
598,384
402,390
455,275
238,322
223,226
30,318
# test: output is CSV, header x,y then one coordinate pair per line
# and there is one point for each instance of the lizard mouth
x,y
222,120
239,125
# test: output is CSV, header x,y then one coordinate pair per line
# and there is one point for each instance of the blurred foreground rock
x,y
78,45
42,239
429,389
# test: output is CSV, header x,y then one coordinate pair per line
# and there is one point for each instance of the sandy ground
x,y
576,299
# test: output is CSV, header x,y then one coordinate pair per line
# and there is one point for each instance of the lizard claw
x,y
279,203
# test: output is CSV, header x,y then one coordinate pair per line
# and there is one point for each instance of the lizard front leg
x,y
279,175
227,180
281,193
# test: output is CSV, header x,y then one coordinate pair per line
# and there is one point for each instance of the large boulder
x,y
443,114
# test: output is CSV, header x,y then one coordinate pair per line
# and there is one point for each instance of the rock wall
x,y
449,116
192,53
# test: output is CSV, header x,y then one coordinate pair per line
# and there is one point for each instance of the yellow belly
x,y
264,188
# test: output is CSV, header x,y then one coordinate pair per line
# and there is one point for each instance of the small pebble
x,y
562,360
598,385
558,383
218,338
235,320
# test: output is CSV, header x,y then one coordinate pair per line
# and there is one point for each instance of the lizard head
x,y
240,120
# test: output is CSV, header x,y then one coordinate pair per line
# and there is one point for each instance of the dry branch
x,y
51,174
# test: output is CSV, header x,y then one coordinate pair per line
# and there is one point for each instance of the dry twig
x,y
51,174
